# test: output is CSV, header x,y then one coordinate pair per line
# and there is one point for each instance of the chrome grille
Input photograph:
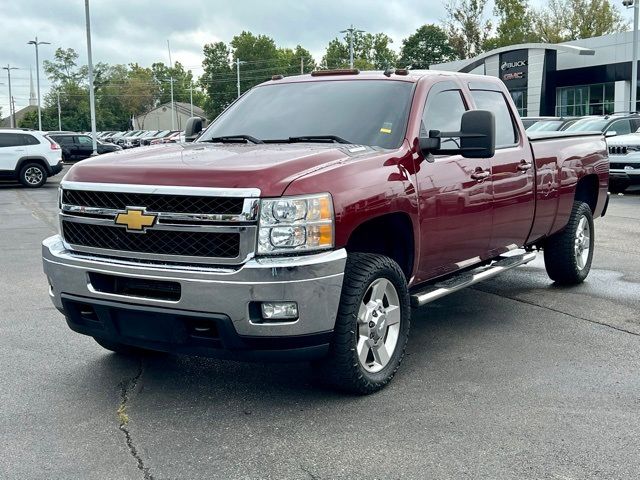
x,y
194,225
162,242
153,202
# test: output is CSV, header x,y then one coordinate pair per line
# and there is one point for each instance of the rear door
x,y
12,148
512,173
83,145
454,192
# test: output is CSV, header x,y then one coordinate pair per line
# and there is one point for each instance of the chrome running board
x,y
466,279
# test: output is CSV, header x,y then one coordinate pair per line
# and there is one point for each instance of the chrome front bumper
x,y
314,282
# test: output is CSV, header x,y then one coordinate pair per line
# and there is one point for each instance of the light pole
x,y
12,110
634,65
351,31
238,63
36,43
59,114
173,116
191,96
92,96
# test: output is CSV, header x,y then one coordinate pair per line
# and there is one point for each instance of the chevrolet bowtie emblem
x,y
136,219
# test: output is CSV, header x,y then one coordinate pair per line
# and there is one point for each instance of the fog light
x,y
279,310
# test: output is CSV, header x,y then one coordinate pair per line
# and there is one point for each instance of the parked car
x,y
161,135
527,122
28,156
611,125
556,125
624,153
172,137
125,137
79,147
310,216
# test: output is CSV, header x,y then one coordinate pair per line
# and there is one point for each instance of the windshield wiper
x,y
234,139
318,138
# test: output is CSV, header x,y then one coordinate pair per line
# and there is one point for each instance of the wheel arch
x,y
587,191
389,234
33,159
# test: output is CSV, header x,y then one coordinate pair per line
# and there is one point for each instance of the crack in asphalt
x,y
127,386
528,302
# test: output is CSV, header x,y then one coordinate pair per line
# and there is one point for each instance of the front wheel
x,y
372,326
568,254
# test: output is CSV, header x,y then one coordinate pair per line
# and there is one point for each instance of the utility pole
x,y
301,65
12,108
351,31
92,96
173,116
59,114
238,63
36,43
191,96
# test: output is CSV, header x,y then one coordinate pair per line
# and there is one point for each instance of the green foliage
x,y
564,20
370,52
217,79
428,45
515,24
467,28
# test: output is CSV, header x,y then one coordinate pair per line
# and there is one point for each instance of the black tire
x,y
32,175
563,260
618,186
343,369
121,348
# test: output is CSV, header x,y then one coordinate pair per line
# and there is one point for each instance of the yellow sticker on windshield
x,y
386,127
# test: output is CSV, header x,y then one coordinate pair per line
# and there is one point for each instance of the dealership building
x,y
582,77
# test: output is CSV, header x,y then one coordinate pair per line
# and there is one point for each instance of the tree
x,y
515,24
428,45
182,82
369,52
217,78
290,61
64,67
564,20
467,28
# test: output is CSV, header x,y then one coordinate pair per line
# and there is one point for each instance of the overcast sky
x,y
137,30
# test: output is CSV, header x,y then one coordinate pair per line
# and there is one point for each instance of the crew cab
x,y
310,217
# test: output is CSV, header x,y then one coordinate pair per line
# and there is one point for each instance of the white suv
x,y
28,156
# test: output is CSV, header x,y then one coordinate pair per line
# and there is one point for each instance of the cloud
x,y
136,31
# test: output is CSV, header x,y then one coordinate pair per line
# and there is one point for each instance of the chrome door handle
x,y
480,175
524,166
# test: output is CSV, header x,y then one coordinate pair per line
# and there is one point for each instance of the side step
x,y
466,279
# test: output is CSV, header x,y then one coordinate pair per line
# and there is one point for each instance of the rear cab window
x,y
496,102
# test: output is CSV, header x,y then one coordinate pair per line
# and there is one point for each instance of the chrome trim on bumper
x,y
314,282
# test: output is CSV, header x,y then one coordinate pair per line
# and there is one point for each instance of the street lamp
x,y
12,110
351,31
36,43
634,65
238,63
92,95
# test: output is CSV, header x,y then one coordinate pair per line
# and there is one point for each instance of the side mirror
x,y
192,129
476,138
611,133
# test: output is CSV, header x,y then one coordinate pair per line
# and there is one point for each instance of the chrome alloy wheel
x,y
582,242
33,175
378,325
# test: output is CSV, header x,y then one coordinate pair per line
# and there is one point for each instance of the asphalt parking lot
x,y
516,378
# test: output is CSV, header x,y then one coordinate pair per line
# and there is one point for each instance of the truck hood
x,y
269,167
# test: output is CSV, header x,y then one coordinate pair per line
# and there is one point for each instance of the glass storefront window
x,y
596,99
520,99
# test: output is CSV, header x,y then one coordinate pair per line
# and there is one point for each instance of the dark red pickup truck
x,y
310,217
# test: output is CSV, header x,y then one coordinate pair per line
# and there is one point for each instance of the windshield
x,y
589,125
363,112
547,126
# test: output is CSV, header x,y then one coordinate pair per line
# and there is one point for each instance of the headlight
x,y
295,224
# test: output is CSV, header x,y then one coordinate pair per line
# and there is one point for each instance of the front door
x,y
83,146
454,194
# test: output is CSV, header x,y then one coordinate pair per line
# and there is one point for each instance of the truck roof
x,y
392,75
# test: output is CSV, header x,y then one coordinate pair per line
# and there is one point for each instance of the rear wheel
x,y
372,326
568,254
32,175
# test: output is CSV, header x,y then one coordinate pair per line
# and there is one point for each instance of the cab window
x,y
494,101
443,112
